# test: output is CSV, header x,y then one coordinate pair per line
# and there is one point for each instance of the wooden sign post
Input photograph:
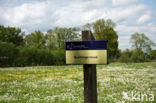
x,y
88,53
90,78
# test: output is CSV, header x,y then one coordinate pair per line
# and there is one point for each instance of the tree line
x,y
141,49
37,48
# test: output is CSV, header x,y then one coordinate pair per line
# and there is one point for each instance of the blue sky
x,y
130,16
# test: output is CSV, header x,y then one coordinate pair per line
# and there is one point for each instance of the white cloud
x,y
124,42
127,13
123,2
144,18
28,16
126,30
75,13
22,14
43,15
78,13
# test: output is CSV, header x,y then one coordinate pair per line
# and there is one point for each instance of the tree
x,y
104,30
34,56
126,56
138,56
153,54
11,35
8,53
57,37
142,42
50,39
88,26
36,39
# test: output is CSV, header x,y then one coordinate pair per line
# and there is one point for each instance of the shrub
x,y
8,52
138,56
153,54
59,56
34,56
126,56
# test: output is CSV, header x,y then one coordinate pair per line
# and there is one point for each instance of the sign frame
x,y
86,52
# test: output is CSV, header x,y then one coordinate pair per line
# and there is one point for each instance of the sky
x,y
130,16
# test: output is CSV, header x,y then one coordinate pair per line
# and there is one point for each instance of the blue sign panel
x,y
87,45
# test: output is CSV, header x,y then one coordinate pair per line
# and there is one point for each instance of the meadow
x,y
64,84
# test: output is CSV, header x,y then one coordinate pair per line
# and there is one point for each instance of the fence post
x,y
89,72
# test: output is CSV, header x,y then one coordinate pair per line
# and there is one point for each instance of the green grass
x,y
64,84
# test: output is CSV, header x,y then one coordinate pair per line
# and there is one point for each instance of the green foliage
x,y
39,48
50,40
118,54
55,39
59,56
8,53
141,41
141,45
35,56
126,56
11,35
104,30
36,39
138,56
153,54
65,34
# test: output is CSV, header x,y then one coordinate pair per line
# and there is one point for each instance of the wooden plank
x,y
89,72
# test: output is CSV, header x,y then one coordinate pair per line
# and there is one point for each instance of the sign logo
x,y
72,46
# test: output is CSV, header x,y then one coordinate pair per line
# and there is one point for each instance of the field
x,y
117,83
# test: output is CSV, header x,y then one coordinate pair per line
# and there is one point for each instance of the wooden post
x,y
89,72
